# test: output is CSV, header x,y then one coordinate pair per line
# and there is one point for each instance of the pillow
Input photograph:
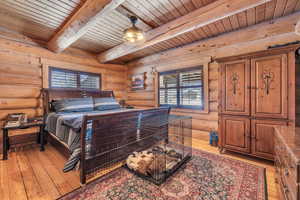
x,y
107,103
73,105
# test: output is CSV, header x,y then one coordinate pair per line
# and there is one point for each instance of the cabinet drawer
x,y
290,186
291,168
284,190
288,163
277,165
279,150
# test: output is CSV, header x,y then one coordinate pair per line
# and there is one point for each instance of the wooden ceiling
x,y
108,32
38,19
265,12
42,19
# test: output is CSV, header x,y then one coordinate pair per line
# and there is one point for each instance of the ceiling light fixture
x,y
133,34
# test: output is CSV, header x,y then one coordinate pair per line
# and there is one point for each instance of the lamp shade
x,y
133,34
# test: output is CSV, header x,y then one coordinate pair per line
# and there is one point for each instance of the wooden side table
x,y
40,136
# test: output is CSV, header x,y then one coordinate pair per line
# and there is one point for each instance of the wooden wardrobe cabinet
x,y
253,99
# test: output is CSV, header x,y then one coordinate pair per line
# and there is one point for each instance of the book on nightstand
x,y
15,119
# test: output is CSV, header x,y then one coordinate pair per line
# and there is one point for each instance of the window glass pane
x,y
168,80
185,86
89,81
191,78
63,79
168,96
191,96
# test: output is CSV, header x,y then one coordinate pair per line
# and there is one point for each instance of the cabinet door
x,y
262,137
235,133
235,83
269,86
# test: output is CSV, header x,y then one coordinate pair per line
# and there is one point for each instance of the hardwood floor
x,y
31,174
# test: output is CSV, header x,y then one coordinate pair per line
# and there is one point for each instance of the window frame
x,y
78,73
202,108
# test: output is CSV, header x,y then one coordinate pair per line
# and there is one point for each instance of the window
x,y
62,78
182,88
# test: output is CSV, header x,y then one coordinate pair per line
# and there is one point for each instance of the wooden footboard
x,y
116,135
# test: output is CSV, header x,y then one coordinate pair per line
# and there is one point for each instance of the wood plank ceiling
x,y
38,19
265,12
41,19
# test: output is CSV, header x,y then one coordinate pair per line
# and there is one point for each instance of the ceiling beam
x,y
232,43
208,14
85,17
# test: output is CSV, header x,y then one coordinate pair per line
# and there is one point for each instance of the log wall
x,y
202,122
24,72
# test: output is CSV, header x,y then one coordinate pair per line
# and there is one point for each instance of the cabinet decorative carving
x,y
269,83
236,81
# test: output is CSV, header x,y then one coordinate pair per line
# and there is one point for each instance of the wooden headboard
x,y
55,94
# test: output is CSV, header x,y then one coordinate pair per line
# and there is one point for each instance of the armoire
x,y
256,93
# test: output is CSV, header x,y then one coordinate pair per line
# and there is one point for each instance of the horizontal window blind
x,y
60,78
168,96
89,81
63,79
192,78
168,80
182,88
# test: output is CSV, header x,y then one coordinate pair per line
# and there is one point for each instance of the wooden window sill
x,y
190,110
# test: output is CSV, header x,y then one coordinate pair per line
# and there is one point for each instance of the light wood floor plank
x,y
42,176
15,181
4,189
58,160
32,186
55,174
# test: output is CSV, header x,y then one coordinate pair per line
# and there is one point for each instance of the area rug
x,y
206,176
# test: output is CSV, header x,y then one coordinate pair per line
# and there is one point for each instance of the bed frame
x,y
50,95
115,133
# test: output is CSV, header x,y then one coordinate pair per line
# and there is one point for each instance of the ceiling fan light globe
x,y
133,35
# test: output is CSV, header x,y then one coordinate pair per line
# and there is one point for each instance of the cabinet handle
x,y
286,172
253,137
286,190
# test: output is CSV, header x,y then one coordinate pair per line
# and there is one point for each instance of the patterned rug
x,y
206,176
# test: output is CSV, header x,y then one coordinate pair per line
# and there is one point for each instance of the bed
x,y
100,138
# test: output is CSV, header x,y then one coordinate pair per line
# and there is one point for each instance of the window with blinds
x,y
182,88
61,78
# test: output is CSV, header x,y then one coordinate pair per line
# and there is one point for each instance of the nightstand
x,y
40,135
